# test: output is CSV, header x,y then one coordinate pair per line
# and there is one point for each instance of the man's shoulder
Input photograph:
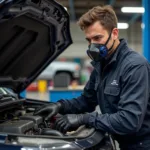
x,y
134,58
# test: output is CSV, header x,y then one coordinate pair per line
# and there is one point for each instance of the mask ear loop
x,y
108,38
112,45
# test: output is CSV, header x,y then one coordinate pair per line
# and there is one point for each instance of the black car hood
x,y
33,33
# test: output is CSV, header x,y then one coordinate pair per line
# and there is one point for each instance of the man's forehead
x,y
94,30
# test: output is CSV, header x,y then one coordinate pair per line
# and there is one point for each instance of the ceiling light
x,y
133,9
122,25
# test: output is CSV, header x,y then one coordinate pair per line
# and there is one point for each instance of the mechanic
x,y
119,84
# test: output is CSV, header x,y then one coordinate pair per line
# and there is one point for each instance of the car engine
x,y
19,126
17,117
23,122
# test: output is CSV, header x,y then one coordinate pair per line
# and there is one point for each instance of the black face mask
x,y
98,52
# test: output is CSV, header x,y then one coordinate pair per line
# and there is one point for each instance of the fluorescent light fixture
x,y
122,25
133,9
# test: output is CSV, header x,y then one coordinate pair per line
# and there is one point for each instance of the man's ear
x,y
115,33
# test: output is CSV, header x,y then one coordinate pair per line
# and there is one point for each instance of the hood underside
x,y
33,33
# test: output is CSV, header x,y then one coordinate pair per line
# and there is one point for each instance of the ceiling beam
x,y
112,2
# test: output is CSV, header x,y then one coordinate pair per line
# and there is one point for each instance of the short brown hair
x,y
104,14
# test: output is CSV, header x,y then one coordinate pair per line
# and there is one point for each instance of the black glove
x,y
48,111
71,122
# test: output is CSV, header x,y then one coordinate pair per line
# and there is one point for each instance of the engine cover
x,y
36,119
17,126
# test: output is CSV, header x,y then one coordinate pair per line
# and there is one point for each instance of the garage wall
x,y
135,37
78,49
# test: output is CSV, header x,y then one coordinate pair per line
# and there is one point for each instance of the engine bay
x,y
17,117
19,126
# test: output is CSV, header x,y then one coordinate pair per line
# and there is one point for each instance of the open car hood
x,y
33,33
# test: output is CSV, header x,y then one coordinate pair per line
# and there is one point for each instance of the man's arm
x,y
132,105
86,102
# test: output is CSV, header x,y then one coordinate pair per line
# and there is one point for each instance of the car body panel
x,y
34,34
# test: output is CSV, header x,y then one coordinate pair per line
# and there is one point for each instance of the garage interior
x,y
136,32
33,47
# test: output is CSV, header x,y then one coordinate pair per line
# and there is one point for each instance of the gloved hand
x,y
47,111
71,122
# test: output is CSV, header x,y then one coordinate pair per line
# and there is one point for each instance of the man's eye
x,y
97,38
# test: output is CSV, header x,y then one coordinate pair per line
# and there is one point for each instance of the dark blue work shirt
x,y
122,91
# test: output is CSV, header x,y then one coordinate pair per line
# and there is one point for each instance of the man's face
x,y
96,33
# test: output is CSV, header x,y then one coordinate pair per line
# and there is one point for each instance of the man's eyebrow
x,y
99,35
